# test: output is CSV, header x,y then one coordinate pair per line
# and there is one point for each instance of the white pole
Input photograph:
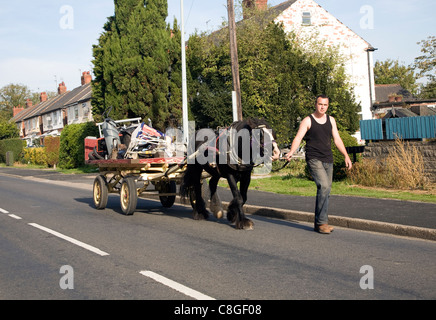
x,y
184,86
235,106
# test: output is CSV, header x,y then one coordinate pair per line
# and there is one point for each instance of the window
x,y
306,18
76,113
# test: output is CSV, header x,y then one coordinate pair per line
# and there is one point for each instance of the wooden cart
x,y
131,177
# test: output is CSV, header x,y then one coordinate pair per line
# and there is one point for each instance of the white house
x,y
308,20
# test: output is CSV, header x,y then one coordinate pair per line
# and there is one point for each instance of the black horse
x,y
231,153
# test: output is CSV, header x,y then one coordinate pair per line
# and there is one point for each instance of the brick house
x,y
308,20
51,115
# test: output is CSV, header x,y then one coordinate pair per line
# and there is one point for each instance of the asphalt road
x,y
55,245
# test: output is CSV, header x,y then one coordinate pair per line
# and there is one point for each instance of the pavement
x,y
402,218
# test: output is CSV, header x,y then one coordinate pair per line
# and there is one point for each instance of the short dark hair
x,y
322,96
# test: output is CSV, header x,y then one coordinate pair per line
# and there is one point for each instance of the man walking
x,y
318,129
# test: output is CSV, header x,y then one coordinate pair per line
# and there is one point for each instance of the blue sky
x,y
45,42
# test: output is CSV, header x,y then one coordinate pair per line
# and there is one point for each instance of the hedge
x,y
15,145
35,156
51,149
72,144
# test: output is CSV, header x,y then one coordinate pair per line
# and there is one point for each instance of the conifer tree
x,y
132,64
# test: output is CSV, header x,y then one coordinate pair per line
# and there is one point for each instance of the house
x,y
398,113
308,20
392,98
51,115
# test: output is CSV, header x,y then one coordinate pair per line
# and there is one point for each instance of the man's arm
x,y
340,144
304,126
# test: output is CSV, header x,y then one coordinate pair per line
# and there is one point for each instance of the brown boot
x,y
323,228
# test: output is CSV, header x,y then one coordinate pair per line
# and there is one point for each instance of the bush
x,y
35,156
339,170
51,149
14,145
403,168
72,144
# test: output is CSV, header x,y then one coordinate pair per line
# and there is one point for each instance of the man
x,y
318,129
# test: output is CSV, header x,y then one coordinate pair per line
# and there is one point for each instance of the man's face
x,y
322,104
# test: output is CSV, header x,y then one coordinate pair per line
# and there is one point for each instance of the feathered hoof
x,y
245,224
218,214
201,216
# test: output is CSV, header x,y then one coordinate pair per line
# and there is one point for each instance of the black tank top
x,y
319,141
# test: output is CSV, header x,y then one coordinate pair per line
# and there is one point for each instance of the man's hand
x,y
348,163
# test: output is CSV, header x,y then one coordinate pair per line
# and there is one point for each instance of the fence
x,y
403,128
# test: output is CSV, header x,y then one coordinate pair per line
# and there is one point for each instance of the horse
x,y
229,153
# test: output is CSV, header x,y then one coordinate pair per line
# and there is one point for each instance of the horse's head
x,y
263,144
251,142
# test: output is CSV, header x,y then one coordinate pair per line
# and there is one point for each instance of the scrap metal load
x,y
136,141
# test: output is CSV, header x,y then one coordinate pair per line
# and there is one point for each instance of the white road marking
x,y
14,216
4,211
72,240
176,286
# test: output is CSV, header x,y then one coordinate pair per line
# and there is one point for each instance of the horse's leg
x,y
235,212
216,205
200,211
244,184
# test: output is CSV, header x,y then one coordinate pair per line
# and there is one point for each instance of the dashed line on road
x,y
15,216
4,211
176,286
69,239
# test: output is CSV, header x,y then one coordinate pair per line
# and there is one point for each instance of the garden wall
x,y
380,149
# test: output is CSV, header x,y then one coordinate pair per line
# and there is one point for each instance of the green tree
x,y
393,72
8,130
133,61
279,79
426,63
12,95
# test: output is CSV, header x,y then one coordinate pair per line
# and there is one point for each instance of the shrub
x,y
35,156
51,149
14,145
339,170
403,168
72,144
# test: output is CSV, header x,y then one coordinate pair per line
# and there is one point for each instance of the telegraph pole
x,y
234,59
184,85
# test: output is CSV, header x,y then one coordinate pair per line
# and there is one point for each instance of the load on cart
x,y
131,156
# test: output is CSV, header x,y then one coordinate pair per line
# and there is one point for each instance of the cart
x,y
130,178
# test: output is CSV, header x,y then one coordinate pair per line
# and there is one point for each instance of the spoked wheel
x,y
168,200
128,195
100,192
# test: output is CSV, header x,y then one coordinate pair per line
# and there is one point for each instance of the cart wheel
x,y
168,201
128,195
100,192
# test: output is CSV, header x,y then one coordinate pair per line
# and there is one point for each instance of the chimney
x,y
43,97
29,103
248,6
86,77
62,88
17,110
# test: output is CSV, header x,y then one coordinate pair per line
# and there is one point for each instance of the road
x,y
55,245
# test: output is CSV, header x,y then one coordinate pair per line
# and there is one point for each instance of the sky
x,y
45,42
